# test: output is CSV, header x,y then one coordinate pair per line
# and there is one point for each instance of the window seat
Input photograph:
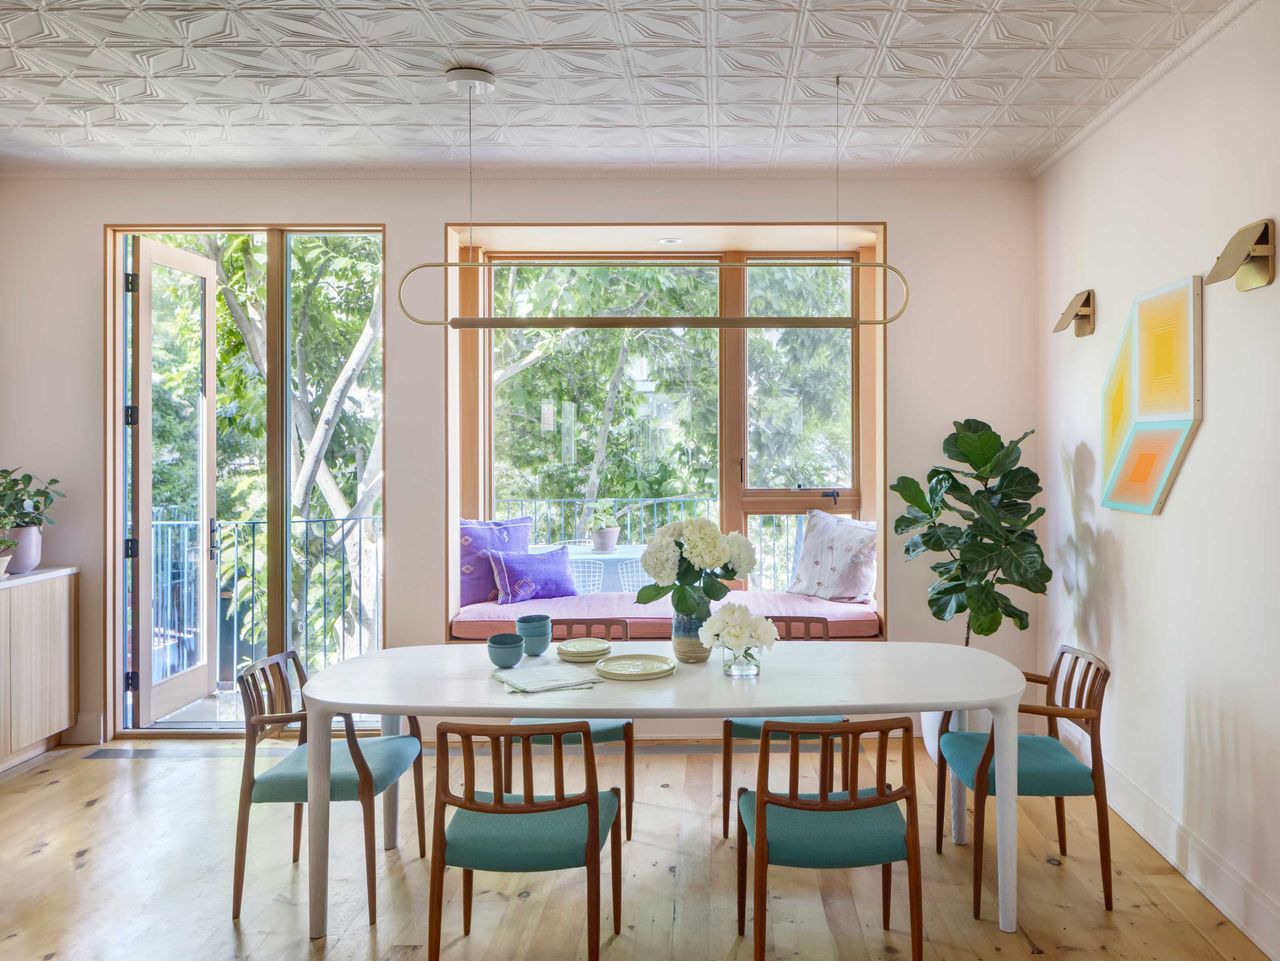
x,y
653,621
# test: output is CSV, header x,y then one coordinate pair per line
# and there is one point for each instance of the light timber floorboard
x,y
125,853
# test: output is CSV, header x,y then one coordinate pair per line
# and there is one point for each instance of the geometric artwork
x,y
1151,398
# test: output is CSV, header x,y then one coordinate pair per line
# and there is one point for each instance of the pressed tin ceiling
x,y
590,85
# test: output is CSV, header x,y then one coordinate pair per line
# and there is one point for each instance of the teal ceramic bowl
x,y
505,640
505,655
536,644
533,625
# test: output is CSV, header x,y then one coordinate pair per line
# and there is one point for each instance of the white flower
x,y
661,560
735,627
673,530
704,546
742,554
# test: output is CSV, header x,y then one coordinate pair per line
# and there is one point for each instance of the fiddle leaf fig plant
x,y
979,516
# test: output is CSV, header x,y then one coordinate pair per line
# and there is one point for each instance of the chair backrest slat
x,y
502,739
266,688
1078,680
847,733
607,628
797,628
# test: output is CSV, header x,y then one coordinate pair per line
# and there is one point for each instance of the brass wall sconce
x,y
1079,311
1250,257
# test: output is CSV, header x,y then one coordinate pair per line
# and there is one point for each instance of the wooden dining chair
x,y
1074,689
361,768
748,728
498,831
852,828
604,730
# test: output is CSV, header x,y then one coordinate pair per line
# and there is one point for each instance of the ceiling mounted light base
x,y
1250,257
471,80
1079,311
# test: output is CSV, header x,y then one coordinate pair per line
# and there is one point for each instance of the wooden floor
x,y
124,852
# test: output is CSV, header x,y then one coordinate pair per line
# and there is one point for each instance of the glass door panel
x,y
174,496
334,316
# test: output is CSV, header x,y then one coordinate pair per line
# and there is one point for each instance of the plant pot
x,y
605,539
4,564
26,556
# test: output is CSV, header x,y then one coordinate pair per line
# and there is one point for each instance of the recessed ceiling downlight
x,y
670,241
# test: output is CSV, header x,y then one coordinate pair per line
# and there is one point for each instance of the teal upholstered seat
x,y
829,839
603,729
1045,767
540,841
750,727
387,757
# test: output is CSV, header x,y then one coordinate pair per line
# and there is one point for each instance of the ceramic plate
x,y
583,645
582,658
635,667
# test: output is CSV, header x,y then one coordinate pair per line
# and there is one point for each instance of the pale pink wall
x,y
1179,604
963,349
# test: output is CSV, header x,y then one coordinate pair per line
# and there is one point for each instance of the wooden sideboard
x,y
38,614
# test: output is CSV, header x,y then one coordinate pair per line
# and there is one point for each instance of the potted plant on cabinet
x,y
25,502
979,517
6,544
604,527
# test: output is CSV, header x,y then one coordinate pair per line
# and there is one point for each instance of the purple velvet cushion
x,y
477,538
525,577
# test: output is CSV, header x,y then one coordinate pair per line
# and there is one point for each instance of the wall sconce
x,y
1080,310
1250,257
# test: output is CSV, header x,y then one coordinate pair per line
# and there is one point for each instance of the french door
x,y
172,502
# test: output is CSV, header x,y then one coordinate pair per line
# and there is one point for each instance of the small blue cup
x,y
533,625
535,644
506,650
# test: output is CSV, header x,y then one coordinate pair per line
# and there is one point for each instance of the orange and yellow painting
x,y
1151,398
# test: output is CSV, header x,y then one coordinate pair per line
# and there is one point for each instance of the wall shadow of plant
x,y
1090,565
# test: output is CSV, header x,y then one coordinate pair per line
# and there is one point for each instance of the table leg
x,y
1005,726
392,724
319,722
959,793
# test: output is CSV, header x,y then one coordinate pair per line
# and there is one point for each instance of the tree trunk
x,y
602,436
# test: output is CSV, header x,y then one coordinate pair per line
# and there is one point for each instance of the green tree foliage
x,y
643,420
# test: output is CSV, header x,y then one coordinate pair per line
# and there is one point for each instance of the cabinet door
x,y
40,660
5,742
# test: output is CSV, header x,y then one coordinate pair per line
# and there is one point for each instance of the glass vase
x,y
744,663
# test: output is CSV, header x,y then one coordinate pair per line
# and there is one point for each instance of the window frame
x,y
737,500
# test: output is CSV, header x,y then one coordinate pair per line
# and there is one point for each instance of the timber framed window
x,y
749,427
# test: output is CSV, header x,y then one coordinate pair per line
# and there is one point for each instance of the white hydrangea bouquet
x,y
691,560
742,635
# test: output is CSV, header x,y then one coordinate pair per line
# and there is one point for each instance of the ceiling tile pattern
x,y
589,85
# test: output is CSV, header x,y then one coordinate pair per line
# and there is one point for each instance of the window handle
x,y
742,470
834,495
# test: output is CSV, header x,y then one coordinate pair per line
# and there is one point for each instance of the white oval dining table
x,y
797,678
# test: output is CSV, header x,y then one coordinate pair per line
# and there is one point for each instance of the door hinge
x,y
130,282
131,681
130,547
131,415
213,538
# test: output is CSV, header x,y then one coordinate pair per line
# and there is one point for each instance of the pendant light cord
x,y
837,143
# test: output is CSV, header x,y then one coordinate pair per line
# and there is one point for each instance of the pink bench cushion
x,y
650,621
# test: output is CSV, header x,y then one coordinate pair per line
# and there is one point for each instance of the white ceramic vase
x,y
26,556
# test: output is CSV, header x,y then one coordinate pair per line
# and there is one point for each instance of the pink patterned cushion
x,y
653,621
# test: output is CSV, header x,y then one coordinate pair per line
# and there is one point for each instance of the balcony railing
x,y
335,597
562,520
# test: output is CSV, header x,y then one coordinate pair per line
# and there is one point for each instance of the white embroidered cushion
x,y
837,558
